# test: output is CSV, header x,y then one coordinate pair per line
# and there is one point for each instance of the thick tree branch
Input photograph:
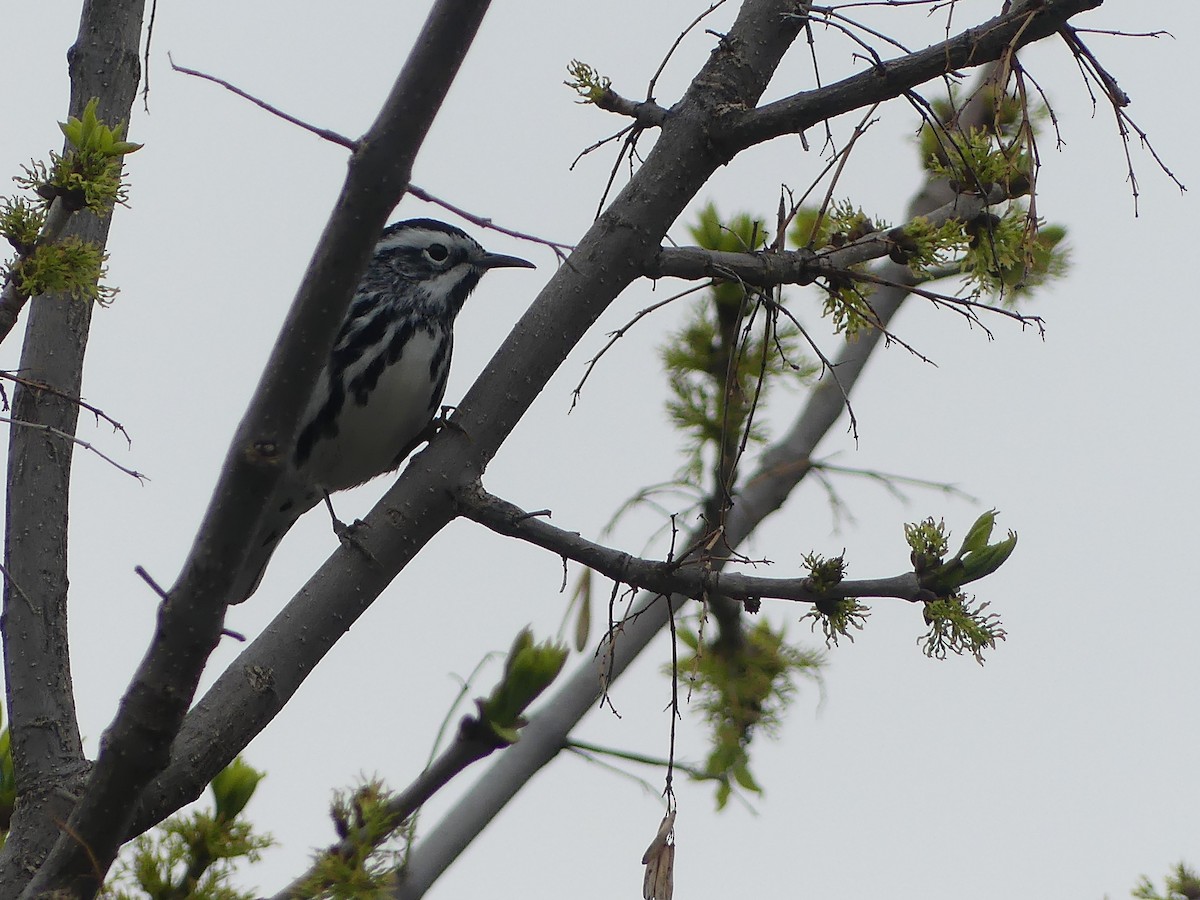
x,y
136,745
692,578
48,759
1025,23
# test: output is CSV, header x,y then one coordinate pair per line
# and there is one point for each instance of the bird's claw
x,y
348,535
443,420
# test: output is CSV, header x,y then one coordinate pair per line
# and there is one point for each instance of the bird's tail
x,y
285,510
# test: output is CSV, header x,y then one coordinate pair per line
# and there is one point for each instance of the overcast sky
x,y
1065,767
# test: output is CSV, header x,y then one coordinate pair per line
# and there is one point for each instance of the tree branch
x,y
768,268
690,578
48,761
1025,23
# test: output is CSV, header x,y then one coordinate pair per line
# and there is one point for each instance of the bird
x,y
376,397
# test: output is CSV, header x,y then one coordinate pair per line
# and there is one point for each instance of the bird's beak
x,y
500,261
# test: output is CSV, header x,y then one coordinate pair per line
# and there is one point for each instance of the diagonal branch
x,y
1025,23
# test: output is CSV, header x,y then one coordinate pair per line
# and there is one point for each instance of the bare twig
x,y
675,45
615,336
323,133
560,249
1091,67
82,404
59,433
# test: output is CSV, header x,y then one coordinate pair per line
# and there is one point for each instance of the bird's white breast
x,y
370,436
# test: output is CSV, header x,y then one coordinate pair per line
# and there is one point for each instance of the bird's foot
x,y
443,420
348,534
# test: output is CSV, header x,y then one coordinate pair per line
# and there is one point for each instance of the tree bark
x,y
47,753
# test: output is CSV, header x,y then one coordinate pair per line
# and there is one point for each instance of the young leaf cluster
x,y
1002,256
975,161
195,855
86,176
21,222
529,669
836,616
975,559
589,84
363,821
956,624
70,265
742,691
1182,883
721,364
840,224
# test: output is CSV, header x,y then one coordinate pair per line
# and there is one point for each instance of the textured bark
x,y
47,755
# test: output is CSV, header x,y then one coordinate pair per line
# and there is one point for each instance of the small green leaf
x,y
986,561
233,787
529,669
979,533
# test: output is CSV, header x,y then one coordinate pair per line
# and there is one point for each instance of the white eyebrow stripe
x,y
411,239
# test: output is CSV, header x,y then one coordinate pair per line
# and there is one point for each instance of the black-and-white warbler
x,y
375,400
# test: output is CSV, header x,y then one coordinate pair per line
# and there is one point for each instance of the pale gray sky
x,y
1065,767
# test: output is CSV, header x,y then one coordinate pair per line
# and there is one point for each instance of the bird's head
x,y
443,261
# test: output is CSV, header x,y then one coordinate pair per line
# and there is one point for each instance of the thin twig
x,y
324,133
560,249
146,58
82,404
674,46
50,429
615,336
827,365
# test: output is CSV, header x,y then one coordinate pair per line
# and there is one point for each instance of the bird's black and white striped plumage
x,y
378,393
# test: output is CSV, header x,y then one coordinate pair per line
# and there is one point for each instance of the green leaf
x,y
233,787
529,669
977,536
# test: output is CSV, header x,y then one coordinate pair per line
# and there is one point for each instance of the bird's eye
x,y
437,252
